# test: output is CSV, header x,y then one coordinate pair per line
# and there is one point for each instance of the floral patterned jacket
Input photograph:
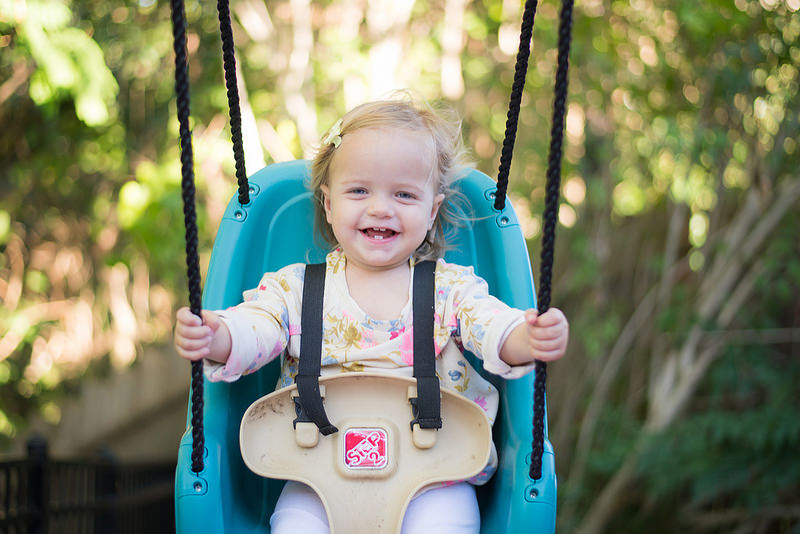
x,y
267,323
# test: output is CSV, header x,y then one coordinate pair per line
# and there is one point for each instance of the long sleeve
x,y
482,321
263,325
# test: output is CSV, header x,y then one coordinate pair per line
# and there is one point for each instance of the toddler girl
x,y
381,181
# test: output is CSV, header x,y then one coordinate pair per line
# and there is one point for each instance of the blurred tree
x,y
690,151
86,193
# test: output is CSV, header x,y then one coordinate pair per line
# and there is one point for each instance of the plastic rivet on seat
x,y
531,494
423,438
306,435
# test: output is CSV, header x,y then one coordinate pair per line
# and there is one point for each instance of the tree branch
x,y
643,315
684,369
720,518
451,78
22,71
303,113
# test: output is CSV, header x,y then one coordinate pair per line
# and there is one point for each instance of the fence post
x,y
106,497
37,485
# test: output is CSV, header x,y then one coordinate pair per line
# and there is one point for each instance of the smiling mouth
x,y
378,233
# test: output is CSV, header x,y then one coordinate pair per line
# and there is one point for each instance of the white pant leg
x,y
447,510
298,511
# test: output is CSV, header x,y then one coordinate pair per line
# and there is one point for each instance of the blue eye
x,y
406,195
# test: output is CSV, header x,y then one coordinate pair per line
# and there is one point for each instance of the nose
x,y
379,206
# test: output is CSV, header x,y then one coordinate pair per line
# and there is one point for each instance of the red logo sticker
x,y
365,448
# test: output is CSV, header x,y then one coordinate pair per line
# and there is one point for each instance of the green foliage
x,y
70,63
684,109
739,446
74,134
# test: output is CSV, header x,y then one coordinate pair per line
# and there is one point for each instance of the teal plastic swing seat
x,y
276,229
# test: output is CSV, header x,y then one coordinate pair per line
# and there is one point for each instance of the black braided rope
x,y
189,217
550,218
520,72
229,65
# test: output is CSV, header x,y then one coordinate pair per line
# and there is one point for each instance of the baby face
x,y
381,198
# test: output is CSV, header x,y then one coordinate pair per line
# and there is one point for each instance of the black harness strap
x,y
427,405
308,406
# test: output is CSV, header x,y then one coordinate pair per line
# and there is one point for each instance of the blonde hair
x,y
451,161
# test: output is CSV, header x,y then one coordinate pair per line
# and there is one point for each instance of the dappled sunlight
x,y
452,79
697,260
698,229
629,199
575,124
68,315
530,224
123,322
508,33
63,353
71,331
647,51
567,215
574,190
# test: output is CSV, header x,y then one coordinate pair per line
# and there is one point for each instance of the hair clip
x,y
334,136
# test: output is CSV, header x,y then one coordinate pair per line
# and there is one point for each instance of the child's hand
x,y
547,334
195,339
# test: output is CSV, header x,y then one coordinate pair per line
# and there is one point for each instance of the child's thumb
x,y
211,320
531,315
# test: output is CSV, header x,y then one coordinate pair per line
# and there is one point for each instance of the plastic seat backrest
x,y
276,229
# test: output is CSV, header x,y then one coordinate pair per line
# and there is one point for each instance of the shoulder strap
x,y
427,405
309,407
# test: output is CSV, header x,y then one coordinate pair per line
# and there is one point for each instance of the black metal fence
x,y
40,495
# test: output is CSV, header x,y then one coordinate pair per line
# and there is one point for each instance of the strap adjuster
x,y
423,422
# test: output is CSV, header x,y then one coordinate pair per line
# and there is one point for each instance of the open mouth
x,y
378,233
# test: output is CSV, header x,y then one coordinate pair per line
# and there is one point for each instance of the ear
x,y
326,201
437,202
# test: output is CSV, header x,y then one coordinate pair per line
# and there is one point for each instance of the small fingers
x,y
211,320
550,325
552,334
549,351
531,316
549,335
192,338
192,344
186,317
201,331
551,317
548,345
548,356
193,355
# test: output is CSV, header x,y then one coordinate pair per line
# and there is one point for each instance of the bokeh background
x,y
678,258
